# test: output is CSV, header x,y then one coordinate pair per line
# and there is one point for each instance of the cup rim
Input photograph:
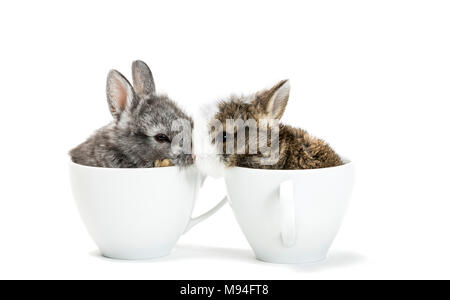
x,y
347,164
71,163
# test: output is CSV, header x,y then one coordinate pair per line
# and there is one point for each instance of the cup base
x,y
293,262
135,257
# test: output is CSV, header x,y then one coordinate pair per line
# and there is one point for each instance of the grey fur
x,y
129,141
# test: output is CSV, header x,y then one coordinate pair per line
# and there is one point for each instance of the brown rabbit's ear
x,y
142,78
274,101
119,92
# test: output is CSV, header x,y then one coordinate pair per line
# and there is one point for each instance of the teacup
x,y
137,213
290,216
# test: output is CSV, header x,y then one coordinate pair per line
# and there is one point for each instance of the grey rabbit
x,y
141,134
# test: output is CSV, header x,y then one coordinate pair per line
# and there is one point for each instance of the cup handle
x,y
206,215
287,204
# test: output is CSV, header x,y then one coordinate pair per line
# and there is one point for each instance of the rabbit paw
x,y
163,163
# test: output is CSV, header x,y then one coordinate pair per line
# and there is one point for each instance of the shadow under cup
x,y
135,213
290,216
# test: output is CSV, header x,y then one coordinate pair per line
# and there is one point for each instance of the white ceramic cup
x,y
137,213
290,216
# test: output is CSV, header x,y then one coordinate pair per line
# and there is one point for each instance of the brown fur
x,y
298,149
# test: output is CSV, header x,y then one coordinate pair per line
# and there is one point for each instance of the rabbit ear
x,y
119,92
275,99
142,78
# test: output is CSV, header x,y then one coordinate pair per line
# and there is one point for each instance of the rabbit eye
x,y
224,136
162,138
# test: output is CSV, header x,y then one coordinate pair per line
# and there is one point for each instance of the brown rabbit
x,y
297,149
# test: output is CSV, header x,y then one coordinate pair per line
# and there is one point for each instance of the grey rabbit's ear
x,y
119,92
142,78
273,102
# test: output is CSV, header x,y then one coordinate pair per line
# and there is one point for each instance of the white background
x,y
370,77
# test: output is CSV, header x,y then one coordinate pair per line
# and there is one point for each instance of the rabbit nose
x,y
193,156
